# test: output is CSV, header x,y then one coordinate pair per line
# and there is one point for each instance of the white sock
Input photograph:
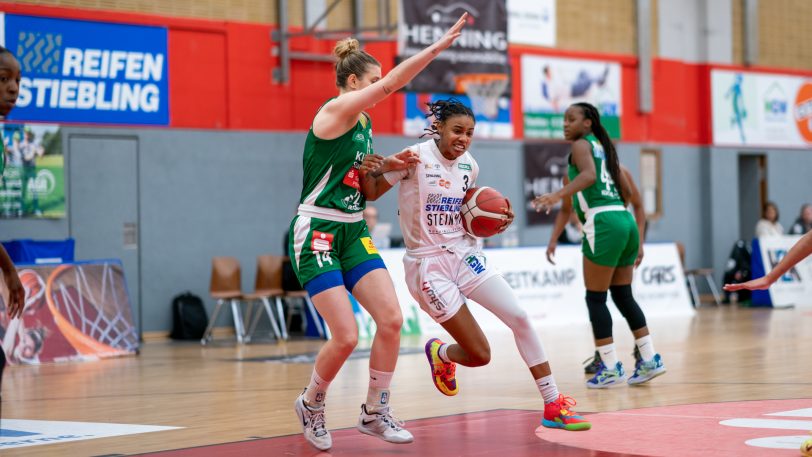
x,y
646,347
316,391
548,389
608,355
378,394
443,353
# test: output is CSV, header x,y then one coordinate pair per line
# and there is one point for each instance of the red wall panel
x,y
221,77
197,79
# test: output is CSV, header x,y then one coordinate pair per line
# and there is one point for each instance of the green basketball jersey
x,y
2,156
331,169
603,192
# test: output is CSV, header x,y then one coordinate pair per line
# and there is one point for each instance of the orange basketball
x,y
482,212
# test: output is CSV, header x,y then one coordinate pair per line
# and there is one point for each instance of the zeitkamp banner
x,y
481,48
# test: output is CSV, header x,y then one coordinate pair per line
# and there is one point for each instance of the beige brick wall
x,y
236,10
785,34
597,26
258,11
737,30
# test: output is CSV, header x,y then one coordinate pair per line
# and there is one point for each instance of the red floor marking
x,y
503,433
685,430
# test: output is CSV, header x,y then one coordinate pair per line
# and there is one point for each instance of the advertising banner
x,y
531,22
33,182
761,109
75,311
89,72
545,165
551,84
554,294
482,47
415,121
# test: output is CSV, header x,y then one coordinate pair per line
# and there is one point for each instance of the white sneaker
x,y
383,425
313,425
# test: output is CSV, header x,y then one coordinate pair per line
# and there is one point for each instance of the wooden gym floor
x,y
735,376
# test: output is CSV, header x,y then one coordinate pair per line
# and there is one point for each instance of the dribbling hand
x,y
509,220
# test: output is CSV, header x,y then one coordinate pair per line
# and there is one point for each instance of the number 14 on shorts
x,y
321,244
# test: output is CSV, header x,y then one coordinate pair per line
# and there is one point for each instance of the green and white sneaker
x,y
606,377
647,370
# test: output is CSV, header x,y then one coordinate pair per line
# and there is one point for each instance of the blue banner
x,y
89,72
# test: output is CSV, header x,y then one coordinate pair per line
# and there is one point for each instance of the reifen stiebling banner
x,y
89,72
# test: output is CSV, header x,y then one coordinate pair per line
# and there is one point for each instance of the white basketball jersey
x,y
430,196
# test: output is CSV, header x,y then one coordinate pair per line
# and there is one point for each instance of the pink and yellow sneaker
x,y
442,373
558,415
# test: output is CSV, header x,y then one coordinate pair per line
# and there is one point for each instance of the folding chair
x,y
311,309
225,287
267,286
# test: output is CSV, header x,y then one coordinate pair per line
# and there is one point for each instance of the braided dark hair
x,y
612,161
442,110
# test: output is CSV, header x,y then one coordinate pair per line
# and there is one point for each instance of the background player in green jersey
x,y
9,89
330,245
600,190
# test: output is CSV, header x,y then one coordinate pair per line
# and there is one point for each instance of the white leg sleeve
x,y
496,296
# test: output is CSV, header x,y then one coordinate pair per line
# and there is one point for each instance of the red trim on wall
x,y
221,76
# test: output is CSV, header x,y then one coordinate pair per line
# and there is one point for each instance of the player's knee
x,y
480,357
517,321
599,314
391,324
628,307
345,342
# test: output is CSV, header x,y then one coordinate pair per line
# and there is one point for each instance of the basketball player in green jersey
x,y
330,246
9,89
611,245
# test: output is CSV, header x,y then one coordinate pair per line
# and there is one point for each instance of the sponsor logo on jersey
x,y
432,183
352,178
321,241
433,175
433,198
369,245
444,183
464,166
476,263
359,137
440,203
431,296
430,166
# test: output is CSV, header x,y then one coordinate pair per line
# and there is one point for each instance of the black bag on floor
x,y
189,319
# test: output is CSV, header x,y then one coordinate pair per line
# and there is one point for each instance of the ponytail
x,y
612,161
442,110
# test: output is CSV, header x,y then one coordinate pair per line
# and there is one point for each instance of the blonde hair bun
x,y
346,47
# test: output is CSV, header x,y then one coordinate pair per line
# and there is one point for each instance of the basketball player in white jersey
x,y
445,266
